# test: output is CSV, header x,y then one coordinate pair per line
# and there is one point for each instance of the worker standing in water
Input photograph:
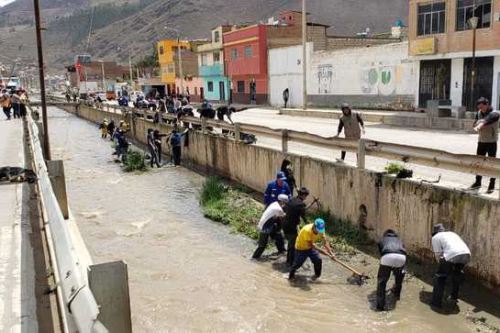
x,y
305,247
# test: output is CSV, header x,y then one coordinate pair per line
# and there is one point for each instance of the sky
x,y
5,2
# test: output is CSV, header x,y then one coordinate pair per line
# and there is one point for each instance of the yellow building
x,y
167,56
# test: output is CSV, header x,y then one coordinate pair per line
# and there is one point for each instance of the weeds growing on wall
x,y
134,162
233,206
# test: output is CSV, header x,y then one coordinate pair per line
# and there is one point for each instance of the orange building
x,y
441,39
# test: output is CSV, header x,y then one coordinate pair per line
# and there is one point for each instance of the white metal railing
x,y
472,164
79,308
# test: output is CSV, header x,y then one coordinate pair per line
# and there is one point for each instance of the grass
x,y
230,207
135,162
343,235
234,207
394,168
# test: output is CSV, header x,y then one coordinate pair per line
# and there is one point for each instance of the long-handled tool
x,y
359,278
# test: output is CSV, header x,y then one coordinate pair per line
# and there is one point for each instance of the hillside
x,y
119,32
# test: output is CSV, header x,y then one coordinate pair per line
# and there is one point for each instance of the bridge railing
x,y
472,164
78,307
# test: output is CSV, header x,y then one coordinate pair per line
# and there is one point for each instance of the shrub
x,y
135,162
212,190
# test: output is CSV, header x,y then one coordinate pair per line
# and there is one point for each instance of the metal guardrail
x,y
472,164
79,306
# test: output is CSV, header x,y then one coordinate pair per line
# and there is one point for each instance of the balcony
x,y
214,70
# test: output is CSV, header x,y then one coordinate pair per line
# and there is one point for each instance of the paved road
x,y
17,275
455,142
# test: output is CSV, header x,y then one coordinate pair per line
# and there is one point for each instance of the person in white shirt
x,y
452,254
270,226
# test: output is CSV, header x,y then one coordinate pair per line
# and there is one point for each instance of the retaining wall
x,y
407,206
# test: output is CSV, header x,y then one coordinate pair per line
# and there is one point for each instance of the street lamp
x,y
473,22
179,55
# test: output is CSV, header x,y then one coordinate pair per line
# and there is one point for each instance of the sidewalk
x,y
17,274
392,118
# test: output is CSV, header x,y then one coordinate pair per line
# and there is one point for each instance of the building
x,y
168,57
376,77
92,76
211,67
246,53
441,40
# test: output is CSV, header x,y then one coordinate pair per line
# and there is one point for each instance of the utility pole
x,y
103,77
41,71
473,22
181,74
304,53
130,70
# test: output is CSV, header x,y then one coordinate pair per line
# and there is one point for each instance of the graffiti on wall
x,y
378,80
325,79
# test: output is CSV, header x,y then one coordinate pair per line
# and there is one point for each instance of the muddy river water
x,y
188,274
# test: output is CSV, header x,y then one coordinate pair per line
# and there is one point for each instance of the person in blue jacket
x,y
275,188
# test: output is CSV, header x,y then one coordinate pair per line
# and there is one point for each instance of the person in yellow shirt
x,y
305,247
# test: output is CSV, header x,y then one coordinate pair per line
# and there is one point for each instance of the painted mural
x,y
378,79
325,79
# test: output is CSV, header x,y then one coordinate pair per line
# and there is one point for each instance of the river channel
x,y
188,274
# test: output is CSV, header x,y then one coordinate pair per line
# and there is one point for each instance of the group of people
x,y
154,142
282,220
13,103
117,135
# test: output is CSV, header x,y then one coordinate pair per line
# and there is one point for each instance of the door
x,y
498,92
202,93
484,80
222,91
435,78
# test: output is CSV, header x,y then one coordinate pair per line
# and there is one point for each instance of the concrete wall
x,y
409,207
375,77
285,71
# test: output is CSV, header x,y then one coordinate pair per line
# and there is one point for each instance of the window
x,y
216,37
217,57
170,68
210,86
204,59
431,18
465,10
241,86
161,50
248,51
234,54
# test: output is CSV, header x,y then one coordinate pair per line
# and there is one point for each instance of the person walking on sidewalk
x,y
270,226
305,248
486,125
16,104
452,255
352,124
275,188
393,259
6,103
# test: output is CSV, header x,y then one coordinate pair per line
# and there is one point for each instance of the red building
x,y
246,52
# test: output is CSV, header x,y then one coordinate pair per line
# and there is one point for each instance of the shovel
x,y
357,277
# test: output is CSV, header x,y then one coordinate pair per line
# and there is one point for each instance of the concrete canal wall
x,y
409,207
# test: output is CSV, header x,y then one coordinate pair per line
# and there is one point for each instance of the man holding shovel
x,y
305,248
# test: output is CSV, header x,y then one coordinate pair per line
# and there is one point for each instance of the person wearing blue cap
x,y
305,248
275,188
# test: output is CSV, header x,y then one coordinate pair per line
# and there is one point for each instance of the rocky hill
x,y
120,30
